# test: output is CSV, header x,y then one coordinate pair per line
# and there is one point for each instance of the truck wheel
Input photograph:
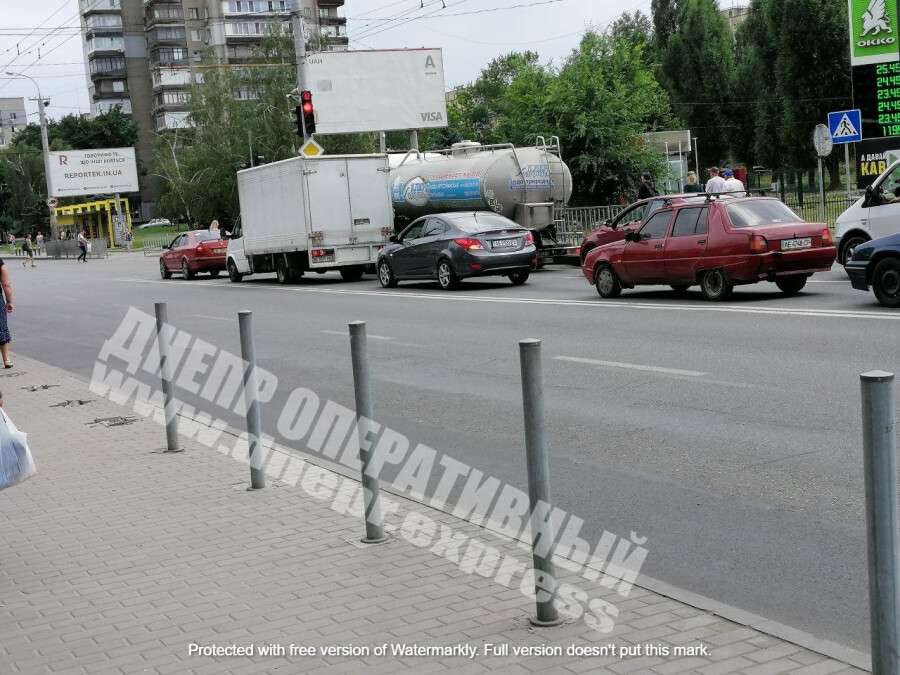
x,y
164,271
791,285
233,273
607,282
282,271
886,282
447,275
386,276
186,270
519,278
849,245
715,287
354,273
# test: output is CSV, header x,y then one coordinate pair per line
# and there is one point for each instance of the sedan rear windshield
x,y
484,222
207,235
760,212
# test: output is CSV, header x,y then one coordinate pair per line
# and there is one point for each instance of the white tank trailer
x,y
523,184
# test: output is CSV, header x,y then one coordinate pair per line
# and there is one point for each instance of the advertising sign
x,y
377,90
873,31
93,172
876,92
873,157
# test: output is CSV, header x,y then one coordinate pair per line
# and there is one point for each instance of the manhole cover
x,y
72,403
112,421
39,387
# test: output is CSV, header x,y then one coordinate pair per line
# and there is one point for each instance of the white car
x,y
873,216
156,222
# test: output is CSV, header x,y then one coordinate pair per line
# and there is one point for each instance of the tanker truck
x,y
528,185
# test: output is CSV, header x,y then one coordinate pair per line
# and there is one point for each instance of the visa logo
x,y
432,117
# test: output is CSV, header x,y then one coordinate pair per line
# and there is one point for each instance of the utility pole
x,y
45,146
300,51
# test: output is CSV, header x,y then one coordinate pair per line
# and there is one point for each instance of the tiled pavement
x,y
116,557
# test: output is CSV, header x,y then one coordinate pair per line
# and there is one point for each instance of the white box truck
x,y
311,214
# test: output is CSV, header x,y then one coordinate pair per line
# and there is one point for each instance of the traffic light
x,y
308,112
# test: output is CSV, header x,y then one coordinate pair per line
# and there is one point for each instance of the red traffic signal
x,y
308,111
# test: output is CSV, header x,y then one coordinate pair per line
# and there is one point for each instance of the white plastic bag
x,y
88,247
16,462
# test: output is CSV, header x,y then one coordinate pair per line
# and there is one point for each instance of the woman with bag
x,y
16,462
83,245
6,307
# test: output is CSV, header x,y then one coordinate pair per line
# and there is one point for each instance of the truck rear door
x,y
328,203
370,202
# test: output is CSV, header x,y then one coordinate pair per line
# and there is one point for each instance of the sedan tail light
x,y
758,244
529,239
827,239
468,244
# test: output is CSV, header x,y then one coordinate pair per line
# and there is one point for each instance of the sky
x,y
470,32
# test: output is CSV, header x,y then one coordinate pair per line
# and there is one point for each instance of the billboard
x,y
873,157
93,172
873,31
377,90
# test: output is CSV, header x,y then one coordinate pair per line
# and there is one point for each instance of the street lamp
x,y
45,144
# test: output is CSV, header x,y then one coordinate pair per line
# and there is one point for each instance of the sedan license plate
x,y
795,244
504,243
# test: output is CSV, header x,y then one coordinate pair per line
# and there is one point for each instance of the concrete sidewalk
x,y
117,557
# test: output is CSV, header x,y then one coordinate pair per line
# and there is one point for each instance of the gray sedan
x,y
449,247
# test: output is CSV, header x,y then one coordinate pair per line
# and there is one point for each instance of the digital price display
x,y
876,92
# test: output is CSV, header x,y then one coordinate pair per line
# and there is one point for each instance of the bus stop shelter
x,y
97,218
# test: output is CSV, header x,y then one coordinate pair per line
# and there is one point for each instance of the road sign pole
x,y
847,168
300,52
822,190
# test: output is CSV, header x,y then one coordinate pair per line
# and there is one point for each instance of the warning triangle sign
x,y
845,128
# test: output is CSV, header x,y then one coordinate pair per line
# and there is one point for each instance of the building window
x,y
194,13
118,86
12,115
104,21
107,64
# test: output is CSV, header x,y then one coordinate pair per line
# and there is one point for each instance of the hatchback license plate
x,y
794,244
504,243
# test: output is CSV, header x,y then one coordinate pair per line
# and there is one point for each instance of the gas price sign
x,y
877,94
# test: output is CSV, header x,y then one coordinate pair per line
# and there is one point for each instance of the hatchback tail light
x,y
827,239
758,244
468,244
529,239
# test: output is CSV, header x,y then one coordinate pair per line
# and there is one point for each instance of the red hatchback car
x,y
718,244
192,252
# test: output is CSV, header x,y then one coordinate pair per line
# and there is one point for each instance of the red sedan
x,y
192,252
718,244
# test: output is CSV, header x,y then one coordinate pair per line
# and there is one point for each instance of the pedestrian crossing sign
x,y
845,126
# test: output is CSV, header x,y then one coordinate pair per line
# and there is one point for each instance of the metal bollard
x,y
248,354
538,474
880,462
165,369
363,394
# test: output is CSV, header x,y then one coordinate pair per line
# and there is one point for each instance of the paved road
x,y
727,434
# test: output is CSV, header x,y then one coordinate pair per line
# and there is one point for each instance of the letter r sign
x,y
63,160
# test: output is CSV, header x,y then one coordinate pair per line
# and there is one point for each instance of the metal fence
x,y
151,246
573,222
68,248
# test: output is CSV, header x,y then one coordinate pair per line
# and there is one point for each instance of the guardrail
x,y
68,248
573,222
152,246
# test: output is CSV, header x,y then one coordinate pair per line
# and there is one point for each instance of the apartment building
x,y
12,119
142,55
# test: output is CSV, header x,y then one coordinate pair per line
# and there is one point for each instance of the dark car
x,y
876,263
452,246
192,252
718,243
628,220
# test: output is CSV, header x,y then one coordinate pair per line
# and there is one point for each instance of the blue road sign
x,y
845,126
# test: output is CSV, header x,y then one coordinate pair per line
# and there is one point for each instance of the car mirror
x,y
632,236
394,239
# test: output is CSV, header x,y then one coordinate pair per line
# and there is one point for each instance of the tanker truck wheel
x,y
386,276
519,278
447,276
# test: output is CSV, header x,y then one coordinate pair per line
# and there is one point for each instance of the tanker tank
x,y
523,184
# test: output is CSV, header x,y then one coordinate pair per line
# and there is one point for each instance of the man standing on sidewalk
x,y
82,244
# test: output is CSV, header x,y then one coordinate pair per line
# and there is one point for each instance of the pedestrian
x,y
214,226
6,308
715,184
128,239
732,184
39,240
647,188
28,250
692,185
82,245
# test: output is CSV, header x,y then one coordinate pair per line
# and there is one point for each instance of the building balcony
x,y
89,7
331,3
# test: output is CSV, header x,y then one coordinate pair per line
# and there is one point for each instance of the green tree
x,y
665,20
113,129
697,66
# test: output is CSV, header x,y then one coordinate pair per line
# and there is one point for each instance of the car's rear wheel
x,y
186,269
164,271
607,282
214,273
680,289
848,246
791,285
886,282
518,278
354,273
233,273
447,275
385,276
282,271
714,286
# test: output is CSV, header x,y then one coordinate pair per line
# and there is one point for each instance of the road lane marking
x,y
346,334
631,366
214,318
599,304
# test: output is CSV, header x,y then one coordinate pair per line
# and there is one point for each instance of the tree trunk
x,y
834,171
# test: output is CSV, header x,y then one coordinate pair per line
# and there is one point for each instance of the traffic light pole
x,y
300,51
